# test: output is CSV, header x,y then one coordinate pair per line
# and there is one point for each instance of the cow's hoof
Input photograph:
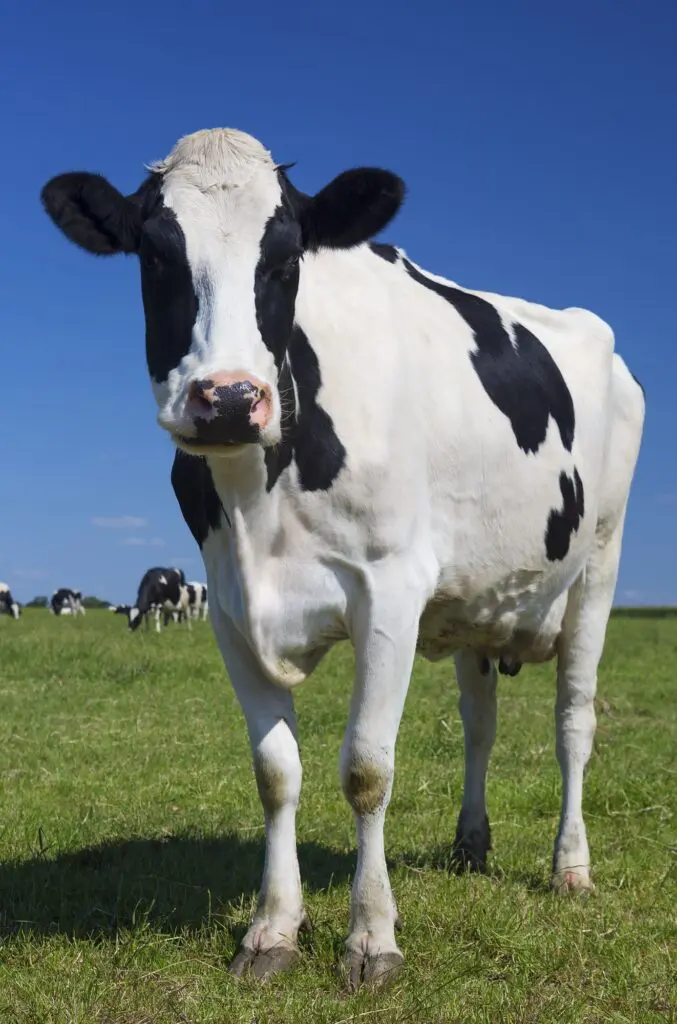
x,y
264,963
471,845
374,971
571,882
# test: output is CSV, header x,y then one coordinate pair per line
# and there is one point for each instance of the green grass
x,y
131,840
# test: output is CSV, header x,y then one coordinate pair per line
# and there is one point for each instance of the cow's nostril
x,y
200,396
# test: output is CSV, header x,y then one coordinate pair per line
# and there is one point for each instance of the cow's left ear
x,y
351,209
92,213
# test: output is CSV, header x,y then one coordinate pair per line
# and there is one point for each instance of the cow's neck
x,y
252,512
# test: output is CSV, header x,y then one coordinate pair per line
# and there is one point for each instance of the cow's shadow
x,y
180,883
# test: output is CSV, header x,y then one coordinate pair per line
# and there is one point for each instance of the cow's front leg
x,y
270,944
384,651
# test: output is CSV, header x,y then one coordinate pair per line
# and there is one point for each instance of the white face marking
x,y
222,186
134,614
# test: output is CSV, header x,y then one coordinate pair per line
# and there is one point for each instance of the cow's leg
x,y
158,613
476,678
580,648
384,656
270,945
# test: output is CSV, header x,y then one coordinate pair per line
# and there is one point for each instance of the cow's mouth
x,y
204,446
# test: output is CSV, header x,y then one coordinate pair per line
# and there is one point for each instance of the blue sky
x,y
539,146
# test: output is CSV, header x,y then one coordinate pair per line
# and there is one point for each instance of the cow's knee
x,y
277,767
366,778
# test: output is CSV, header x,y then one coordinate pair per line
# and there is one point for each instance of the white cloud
x,y
119,522
30,574
138,542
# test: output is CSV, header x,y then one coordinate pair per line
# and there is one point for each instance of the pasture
x,y
131,840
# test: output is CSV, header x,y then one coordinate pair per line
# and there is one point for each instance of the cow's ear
x,y
352,208
92,213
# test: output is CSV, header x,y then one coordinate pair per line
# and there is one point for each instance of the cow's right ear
x,y
92,213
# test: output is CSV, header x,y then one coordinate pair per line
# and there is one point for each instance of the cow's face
x,y
134,618
220,233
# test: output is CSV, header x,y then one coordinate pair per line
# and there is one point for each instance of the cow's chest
x,y
290,610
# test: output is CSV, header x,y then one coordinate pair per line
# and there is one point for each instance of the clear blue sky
x,y
538,143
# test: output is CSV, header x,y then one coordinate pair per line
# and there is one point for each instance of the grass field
x,y
131,840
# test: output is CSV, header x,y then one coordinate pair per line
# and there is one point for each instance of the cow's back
x,y
484,466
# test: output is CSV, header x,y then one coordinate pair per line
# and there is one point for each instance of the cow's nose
x,y
229,408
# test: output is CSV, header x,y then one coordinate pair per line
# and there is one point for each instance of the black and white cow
x,y
8,606
368,450
198,607
190,605
66,602
160,591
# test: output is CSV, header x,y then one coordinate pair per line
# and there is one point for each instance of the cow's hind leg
x,y
270,944
476,678
384,657
580,647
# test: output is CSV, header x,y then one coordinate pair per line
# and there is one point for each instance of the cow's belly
x,y
492,627
517,615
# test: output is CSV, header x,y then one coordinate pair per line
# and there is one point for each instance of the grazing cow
x,y
368,450
197,600
8,606
66,602
120,609
160,591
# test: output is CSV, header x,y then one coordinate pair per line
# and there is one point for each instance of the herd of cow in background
x,y
163,595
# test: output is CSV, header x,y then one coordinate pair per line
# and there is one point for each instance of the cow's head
x,y
135,617
220,232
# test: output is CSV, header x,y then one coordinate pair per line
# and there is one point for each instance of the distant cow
x,y
197,600
8,606
67,602
120,609
160,591
369,451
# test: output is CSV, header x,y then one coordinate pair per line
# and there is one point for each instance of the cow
x,y
120,609
367,450
161,590
191,604
66,602
8,606
198,607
